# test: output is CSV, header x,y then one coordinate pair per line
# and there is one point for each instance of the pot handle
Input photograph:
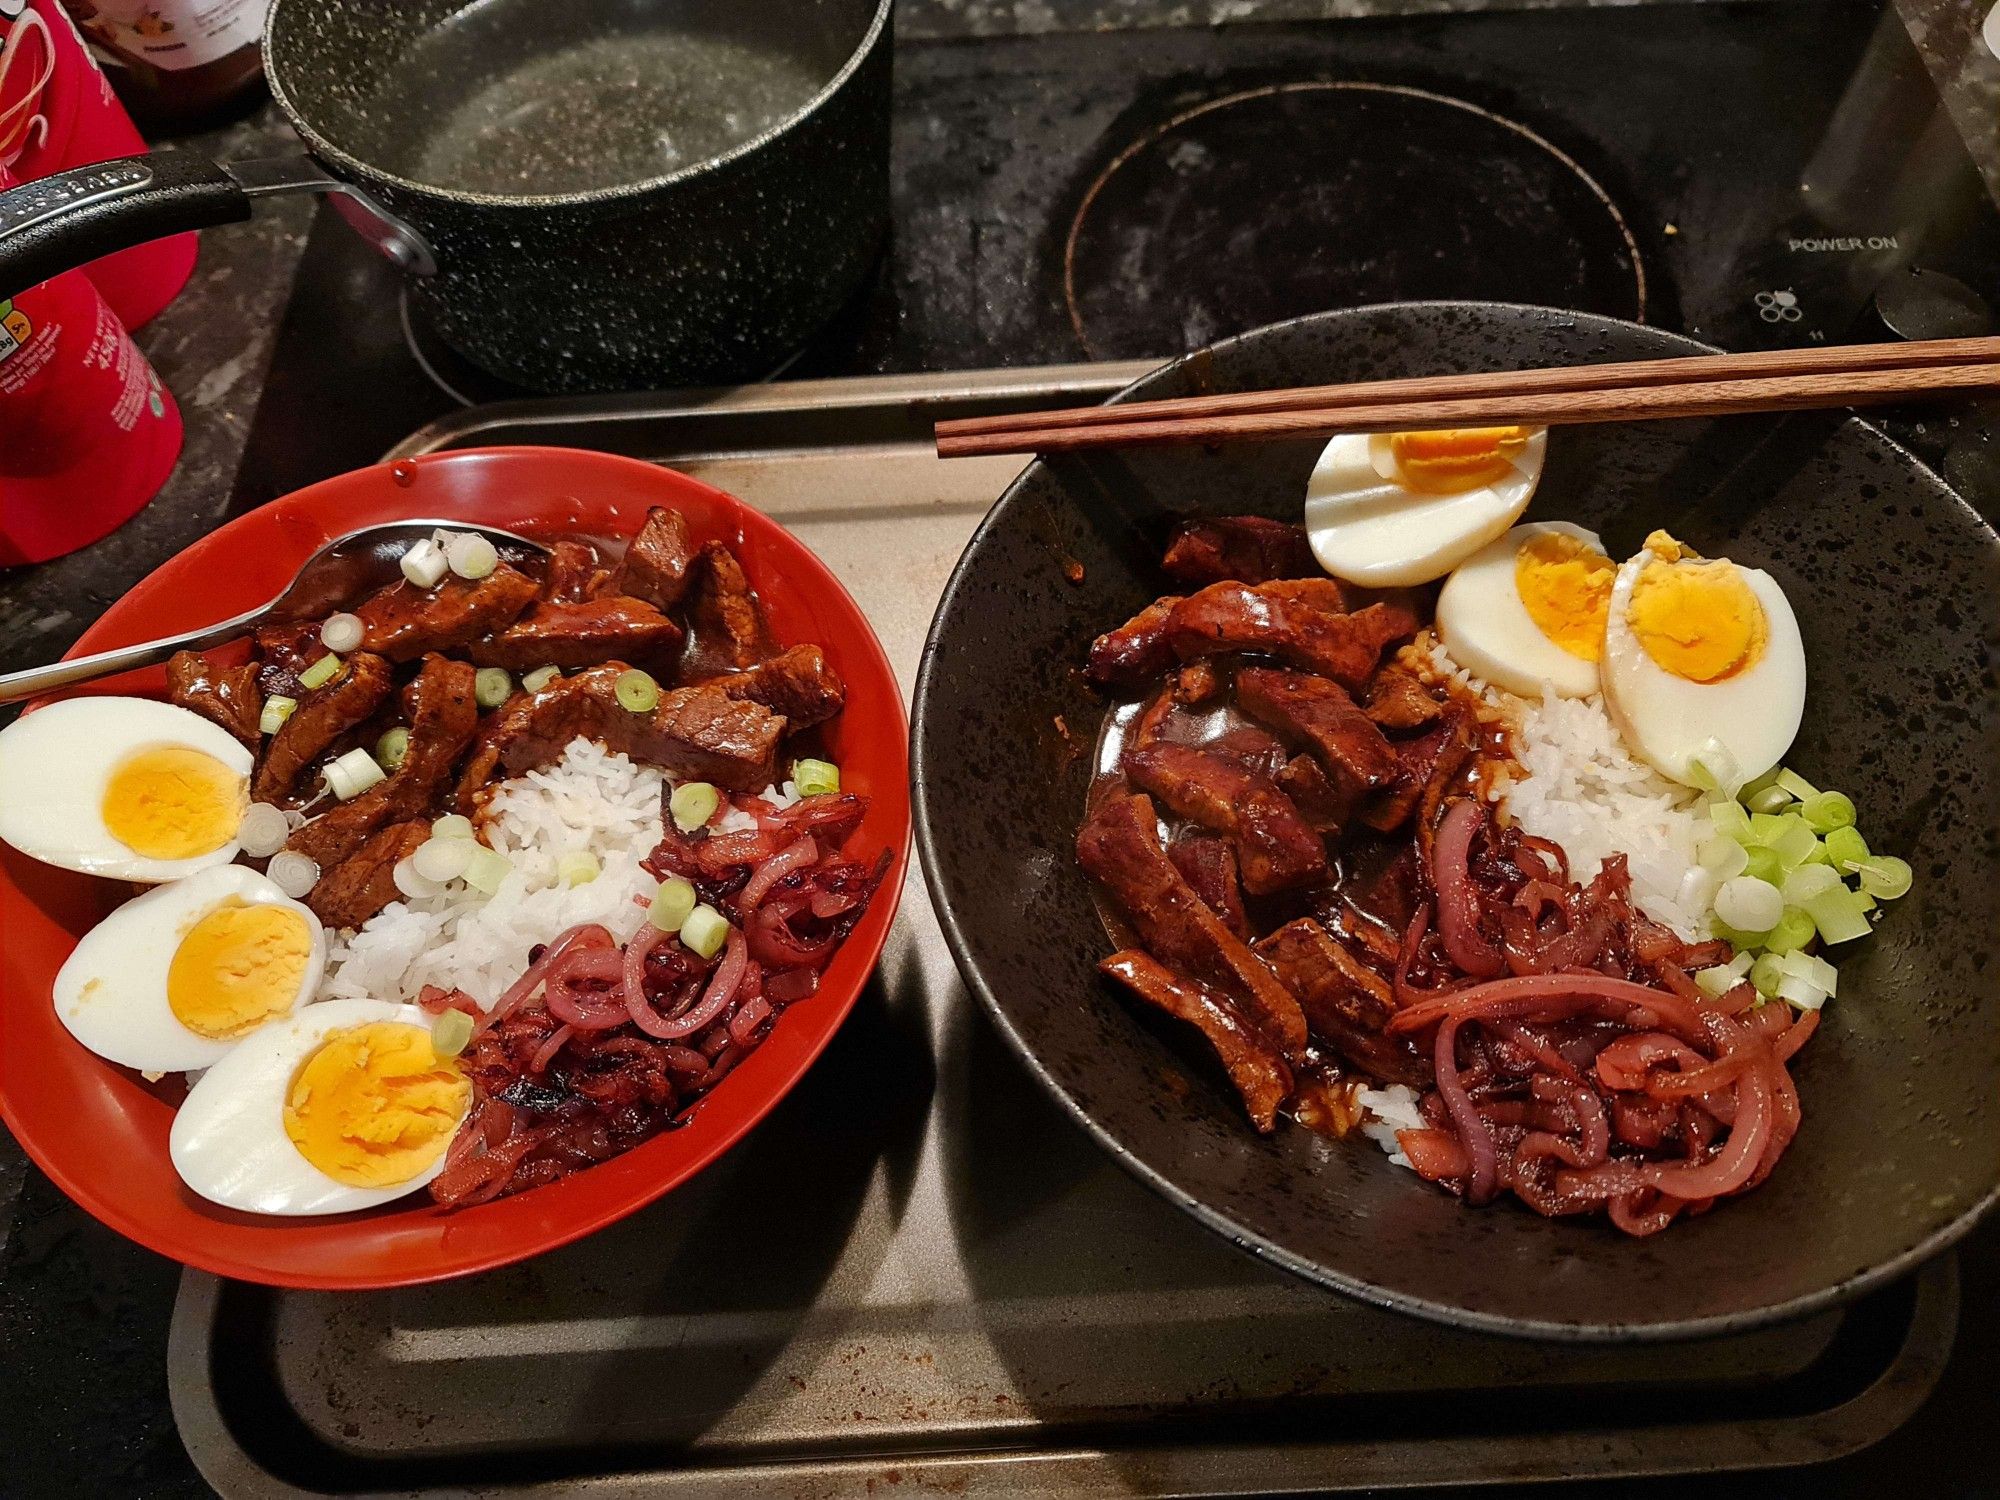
x,y
59,222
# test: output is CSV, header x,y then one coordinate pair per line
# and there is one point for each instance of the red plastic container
x,y
51,78
87,433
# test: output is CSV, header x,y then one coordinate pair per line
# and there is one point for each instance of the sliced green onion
x,y
815,778
321,672
1750,904
471,555
1795,840
1757,784
443,859
342,632
452,826
1846,849
637,691
1796,784
1794,930
1763,864
1766,975
705,931
412,882
486,869
424,564
1730,820
293,873
1741,941
577,867
1887,877
1723,857
671,904
393,746
277,709
491,687
1817,857
1715,982
1839,915
352,774
540,678
1808,881
450,1033
1713,768
264,829
1768,800
692,804
1826,811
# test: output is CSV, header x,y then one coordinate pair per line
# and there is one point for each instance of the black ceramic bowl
x,y
1896,583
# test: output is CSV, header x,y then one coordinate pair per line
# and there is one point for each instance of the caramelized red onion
x,y
1458,903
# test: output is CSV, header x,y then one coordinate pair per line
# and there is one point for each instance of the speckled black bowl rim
x,y
353,167
1221,1223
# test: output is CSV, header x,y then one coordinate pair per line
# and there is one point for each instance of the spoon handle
x,y
14,686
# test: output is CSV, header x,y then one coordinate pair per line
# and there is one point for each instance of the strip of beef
x,y
800,684
228,696
324,714
1424,765
1253,1064
703,733
1398,699
729,630
361,885
575,573
658,563
579,635
1137,651
1346,1003
1317,716
402,622
1119,847
1321,593
1275,848
697,731
1208,865
1228,617
1249,548
1196,683
443,717
1325,807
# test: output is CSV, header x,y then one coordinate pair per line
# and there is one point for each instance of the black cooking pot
x,y
595,195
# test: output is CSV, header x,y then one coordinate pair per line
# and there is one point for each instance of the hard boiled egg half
x,y
128,788
1702,659
345,1105
1392,509
1527,612
173,980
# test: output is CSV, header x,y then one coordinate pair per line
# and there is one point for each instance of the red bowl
x,y
100,1131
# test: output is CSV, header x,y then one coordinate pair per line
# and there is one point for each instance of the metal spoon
x,y
343,570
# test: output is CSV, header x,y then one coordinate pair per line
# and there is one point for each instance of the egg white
x,y
1666,719
1487,629
56,762
1374,532
111,993
229,1142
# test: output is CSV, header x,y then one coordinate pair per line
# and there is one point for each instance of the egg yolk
x,y
1696,618
1566,588
237,968
170,802
375,1105
1450,461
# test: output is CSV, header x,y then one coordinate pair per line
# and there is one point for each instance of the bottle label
x,y
171,34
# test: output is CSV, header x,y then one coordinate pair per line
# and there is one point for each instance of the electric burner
x,y
1297,197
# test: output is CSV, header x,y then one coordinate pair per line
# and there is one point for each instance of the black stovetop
x,y
1752,174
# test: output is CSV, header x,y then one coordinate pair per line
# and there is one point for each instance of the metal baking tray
x,y
917,1275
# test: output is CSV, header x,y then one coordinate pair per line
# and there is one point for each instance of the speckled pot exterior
x,y
1896,583
712,275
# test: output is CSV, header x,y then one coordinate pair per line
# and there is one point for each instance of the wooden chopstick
x,y
1648,390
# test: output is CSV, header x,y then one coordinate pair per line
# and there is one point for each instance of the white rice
x,y
591,800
